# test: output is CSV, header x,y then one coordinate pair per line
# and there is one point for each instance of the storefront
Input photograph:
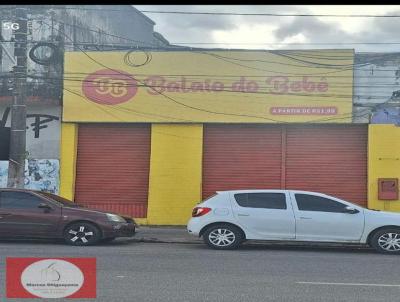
x,y
152,141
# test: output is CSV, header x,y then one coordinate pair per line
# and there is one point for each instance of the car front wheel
x,y
81,233
386,241
223,237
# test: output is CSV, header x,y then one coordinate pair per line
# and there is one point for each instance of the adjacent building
x,y
69,28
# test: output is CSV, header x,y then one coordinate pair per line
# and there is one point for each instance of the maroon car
x,y
35,214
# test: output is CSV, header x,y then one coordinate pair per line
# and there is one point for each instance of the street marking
x,y
349,284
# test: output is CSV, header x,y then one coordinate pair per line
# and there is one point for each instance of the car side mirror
x,y
350,210
45,206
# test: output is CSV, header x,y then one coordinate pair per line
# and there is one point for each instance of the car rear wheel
x,y
81,233
386,241
223,237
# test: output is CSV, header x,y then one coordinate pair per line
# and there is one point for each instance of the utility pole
x,y
16,166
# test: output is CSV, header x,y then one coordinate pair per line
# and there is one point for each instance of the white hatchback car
x,y
228,218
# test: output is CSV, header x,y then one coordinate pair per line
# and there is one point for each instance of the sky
x,y
265,32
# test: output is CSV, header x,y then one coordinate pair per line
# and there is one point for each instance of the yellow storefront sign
x,y
194,86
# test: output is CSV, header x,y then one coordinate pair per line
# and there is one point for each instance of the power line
x,y
104,33
268,14
210,43
227,59
168,97
277,53
172,78
293,43
172,99
80,8
334,85
175,101
318,65
145,114
126,109
260,91
243,75
342,116
215,43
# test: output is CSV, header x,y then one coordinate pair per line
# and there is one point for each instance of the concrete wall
x,y
118,20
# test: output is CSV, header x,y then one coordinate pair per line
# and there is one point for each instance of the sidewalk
x,y
179,234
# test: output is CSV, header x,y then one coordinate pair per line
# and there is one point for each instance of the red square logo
x,y
51,277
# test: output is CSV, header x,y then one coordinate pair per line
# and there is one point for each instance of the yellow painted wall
x,y
69,143
383,162
175,173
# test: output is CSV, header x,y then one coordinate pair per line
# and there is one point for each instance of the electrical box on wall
x,y
388,188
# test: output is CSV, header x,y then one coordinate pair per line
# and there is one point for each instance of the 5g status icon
x,y
10,25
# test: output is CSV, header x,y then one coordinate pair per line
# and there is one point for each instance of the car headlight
x,y
115,218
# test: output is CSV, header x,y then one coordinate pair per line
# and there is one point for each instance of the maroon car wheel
x,y
82,233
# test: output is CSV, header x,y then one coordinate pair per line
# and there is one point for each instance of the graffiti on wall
x,y
40,121
40,174
42,134
386,116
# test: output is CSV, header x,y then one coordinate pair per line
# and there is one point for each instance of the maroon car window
x,y
62,200
19,200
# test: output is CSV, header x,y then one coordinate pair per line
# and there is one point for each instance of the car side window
x,y
307,202
19,200
261,200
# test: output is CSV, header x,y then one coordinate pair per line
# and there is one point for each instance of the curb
x,y
155,240
258,243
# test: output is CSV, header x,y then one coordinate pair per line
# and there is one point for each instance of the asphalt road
x,y
135,271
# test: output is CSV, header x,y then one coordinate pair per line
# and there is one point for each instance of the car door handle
x,y
5,214
305,218
240,214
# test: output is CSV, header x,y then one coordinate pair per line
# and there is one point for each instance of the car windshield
x,y
59,199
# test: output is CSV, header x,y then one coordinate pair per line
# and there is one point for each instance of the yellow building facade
x,y
383,162
178,94
175,179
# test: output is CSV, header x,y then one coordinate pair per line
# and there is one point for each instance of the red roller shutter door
x,y
325,158
113,168
331,159
241,157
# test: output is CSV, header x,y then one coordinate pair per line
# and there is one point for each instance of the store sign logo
x,y
51,278
109,87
